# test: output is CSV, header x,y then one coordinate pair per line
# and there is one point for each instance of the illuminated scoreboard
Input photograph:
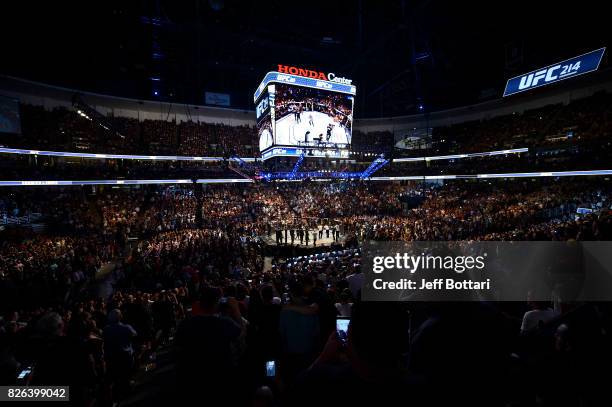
x,y
304,111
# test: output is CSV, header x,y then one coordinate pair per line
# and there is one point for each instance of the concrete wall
x,y
53,96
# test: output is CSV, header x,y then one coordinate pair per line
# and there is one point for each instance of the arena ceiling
x,y
401,54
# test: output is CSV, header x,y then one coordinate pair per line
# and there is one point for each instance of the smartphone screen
x,y
270,368
342,324
24,373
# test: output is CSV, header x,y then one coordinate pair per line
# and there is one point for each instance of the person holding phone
x,y
299,333
204,348
316,303
367,369
266,321
344,307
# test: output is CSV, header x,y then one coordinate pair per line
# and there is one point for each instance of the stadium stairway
x,y
153,384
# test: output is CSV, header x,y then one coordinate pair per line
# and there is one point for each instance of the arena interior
x,y
188,191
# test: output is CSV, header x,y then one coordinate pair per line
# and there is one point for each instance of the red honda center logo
x,y
309,73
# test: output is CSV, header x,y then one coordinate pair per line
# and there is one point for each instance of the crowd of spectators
x,y
581,122
96,345
573,136
200,139
121,275
337,200
63,129
510,210
207,293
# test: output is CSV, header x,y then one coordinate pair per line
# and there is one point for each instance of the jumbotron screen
x,y
310,113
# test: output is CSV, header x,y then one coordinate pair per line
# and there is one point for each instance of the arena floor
x,y
324,242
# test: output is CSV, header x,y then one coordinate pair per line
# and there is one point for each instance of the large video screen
x,y
307,117
264,129
264,112
10,121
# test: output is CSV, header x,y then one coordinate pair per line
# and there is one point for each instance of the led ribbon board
x,y
277,77
31,183
23,151
499,175
297,152
458,156
314,174
47,183
569,68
